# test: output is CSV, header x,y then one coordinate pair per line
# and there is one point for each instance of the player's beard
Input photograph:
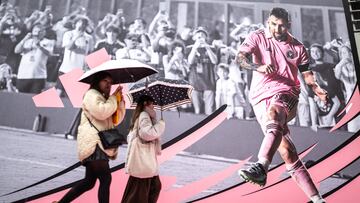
x,y
280,37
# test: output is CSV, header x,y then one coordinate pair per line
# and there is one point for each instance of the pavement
x,y
27,157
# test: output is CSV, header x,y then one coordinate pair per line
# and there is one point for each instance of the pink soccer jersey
x,y
285,56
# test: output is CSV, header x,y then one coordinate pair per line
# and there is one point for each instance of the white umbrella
x,y
121,70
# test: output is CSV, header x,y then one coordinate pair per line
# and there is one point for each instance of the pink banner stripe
x,y
74,89
273,177
166,183
178,195
48,98
286,191
348,193
353,108
118,183
336,162
96,58
191,139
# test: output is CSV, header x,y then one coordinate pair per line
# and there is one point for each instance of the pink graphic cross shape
x,y
74,89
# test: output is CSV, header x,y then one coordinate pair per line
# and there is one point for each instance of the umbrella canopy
x,y
121,70
165,92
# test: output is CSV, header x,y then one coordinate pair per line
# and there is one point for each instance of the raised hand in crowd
x,y
31,19
19,48
200,43
5,18
160,20
3,7
177,55
3,21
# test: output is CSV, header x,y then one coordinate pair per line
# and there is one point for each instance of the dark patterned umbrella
x,y
166,93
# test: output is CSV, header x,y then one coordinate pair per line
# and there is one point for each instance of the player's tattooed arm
x,y
243,60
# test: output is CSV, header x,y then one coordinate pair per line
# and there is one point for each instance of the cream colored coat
x,y
99,111
149,131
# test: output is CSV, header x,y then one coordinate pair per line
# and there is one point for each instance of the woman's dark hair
x,y
97,78
141,103
176,43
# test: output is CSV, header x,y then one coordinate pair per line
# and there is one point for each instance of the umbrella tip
x,y
147,83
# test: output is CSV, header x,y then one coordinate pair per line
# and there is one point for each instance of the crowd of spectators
x,y
36,49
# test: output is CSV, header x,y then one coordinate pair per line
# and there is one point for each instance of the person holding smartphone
x,y
77,44
35,50
202,60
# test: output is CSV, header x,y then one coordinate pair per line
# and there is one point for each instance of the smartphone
x,y
48,7
162,7
120,11
4,3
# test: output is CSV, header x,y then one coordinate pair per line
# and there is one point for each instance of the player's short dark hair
x,y
280,13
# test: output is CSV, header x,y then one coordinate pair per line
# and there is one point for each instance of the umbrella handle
x,y
178,110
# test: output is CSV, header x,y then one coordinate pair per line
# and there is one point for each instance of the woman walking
x,y
98,108
144,184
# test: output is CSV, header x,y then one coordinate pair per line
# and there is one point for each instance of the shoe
x,y
320,201
250,118
255,174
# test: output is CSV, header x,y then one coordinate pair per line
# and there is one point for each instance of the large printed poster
x,y
214,141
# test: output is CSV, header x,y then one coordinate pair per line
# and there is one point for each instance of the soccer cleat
x,y
255,174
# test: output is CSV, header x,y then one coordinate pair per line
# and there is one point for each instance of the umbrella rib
x,y
131,76
160,95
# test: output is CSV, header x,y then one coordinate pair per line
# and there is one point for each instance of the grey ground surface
x,y
27,157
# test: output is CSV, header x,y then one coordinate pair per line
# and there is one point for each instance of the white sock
x,y
315,198
265,163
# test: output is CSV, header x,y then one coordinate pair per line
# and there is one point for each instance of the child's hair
x,y
141,104
173,45
223,66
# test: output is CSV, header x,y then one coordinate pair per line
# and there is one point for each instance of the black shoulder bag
x,y
111,138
